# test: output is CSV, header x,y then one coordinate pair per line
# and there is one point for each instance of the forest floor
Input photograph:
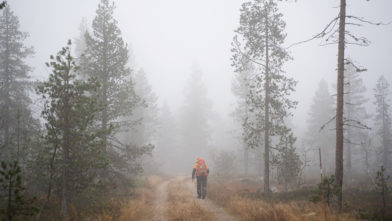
x,y
175,198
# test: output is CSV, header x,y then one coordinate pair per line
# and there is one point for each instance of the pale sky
x,y
168,36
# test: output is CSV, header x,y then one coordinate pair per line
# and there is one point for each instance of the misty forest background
x,y
92,127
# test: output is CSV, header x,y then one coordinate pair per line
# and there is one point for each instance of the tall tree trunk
x,y
6,114
105,114
65,146
349,116
9,207
339,109
18,116
49,191
266,121
246,159
348,164
384,134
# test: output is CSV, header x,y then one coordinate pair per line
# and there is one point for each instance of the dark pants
x,y
201,186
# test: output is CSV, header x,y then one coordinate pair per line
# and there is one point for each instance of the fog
x,y
166,38
177,80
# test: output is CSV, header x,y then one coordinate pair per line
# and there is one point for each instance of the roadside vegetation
x,y
244,198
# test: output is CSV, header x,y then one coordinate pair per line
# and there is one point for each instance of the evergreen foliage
x,y
326,190
383,120
17,127
106,57
70,111
145,112
260,39
287,160
355,114
320,132
383,188
195,118
167,143
249,120
14,204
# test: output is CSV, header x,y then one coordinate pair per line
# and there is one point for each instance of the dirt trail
x,y
161,202
218,211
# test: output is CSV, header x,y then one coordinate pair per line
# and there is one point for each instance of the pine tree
x,y
145,113
17,124
355,114
320,127
194,118
106,57
11,184
80,41
70,109
241,88
287,160
167,145
261,31
383,120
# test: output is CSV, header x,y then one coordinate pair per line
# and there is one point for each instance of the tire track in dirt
x,y
161,202
218,211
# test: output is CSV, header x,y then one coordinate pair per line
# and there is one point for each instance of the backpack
x,y
201,168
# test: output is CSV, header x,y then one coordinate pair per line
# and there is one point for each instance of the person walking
x,y
200,169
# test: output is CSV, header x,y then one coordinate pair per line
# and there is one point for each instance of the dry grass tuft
x,y
139,208
183,206
250,209
231,196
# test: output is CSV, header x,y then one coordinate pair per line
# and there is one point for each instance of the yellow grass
x,y
139,208
250,209
226,195
183,206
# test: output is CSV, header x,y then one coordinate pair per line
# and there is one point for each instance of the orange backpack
x,y
201,168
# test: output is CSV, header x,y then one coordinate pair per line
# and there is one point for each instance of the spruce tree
x,y
106,57
287,160
320,126
145,113
355,114
383,120
194,118
17,124
167,144
241,88
261,34
17,204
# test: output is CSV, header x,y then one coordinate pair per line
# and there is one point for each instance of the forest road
x,y
218,211
161,202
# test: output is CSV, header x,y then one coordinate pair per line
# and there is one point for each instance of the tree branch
x,y
324,32
329,121
245,55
